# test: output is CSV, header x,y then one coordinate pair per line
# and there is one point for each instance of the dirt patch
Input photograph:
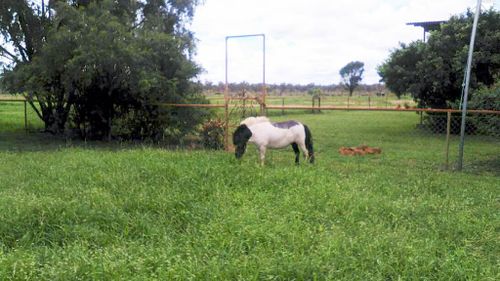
x,y
359,150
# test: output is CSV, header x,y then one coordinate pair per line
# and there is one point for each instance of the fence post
x,y
244,108
25,117
314,99
226,121
448,129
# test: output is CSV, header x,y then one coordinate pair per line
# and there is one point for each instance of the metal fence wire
x,y
480,129
477,123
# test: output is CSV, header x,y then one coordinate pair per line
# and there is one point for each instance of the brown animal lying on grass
x,y
359,150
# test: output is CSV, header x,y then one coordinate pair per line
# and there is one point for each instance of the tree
x,y
433,72
487,98
315,92
108,65
351,75
23,26
399,71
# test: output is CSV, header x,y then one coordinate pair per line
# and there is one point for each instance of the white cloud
x,y
309,41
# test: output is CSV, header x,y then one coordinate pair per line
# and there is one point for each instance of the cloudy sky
x,y
309,41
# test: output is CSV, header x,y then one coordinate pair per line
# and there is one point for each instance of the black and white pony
x,y
264,134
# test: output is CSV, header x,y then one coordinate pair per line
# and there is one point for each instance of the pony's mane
x,y
254,120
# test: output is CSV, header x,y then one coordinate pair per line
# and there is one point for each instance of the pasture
x,y
115,211
365,99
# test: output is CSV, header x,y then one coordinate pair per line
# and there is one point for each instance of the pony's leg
x,y
304,150
297,152
262,152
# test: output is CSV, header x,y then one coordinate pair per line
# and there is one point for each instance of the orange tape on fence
x,y
479,111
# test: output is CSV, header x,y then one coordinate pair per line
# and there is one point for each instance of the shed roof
x,y
428,25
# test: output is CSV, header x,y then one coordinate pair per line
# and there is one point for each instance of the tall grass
x,y
76,211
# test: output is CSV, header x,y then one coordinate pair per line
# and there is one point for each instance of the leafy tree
x,y
23,26
315,92
433,72
351,74
107,65
399,71
487,98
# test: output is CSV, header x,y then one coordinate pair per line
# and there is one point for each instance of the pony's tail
x,y
309,144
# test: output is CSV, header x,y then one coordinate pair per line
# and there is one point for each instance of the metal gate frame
x,y
226,87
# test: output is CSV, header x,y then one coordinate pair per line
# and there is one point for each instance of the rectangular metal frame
x,y
226,88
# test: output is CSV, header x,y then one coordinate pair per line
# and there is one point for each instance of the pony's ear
x,y
241,135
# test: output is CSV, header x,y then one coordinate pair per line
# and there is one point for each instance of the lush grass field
x,y
93,211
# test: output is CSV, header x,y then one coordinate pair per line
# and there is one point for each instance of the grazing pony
x,y
261,132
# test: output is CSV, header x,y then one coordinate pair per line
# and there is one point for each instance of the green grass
x,y
94,211
12,116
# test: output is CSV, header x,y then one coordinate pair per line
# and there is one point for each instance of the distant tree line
x,y
287,88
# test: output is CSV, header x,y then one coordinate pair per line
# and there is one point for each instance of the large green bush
x,y
106,68
487,99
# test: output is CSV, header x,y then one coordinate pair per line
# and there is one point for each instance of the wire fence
x,y
377,100
431,135
426,136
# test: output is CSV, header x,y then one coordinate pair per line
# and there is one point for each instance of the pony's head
x,y
240,139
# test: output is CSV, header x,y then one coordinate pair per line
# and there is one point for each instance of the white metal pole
x,y
226,107
466,89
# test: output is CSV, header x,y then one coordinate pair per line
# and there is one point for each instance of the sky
x,y
309,41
